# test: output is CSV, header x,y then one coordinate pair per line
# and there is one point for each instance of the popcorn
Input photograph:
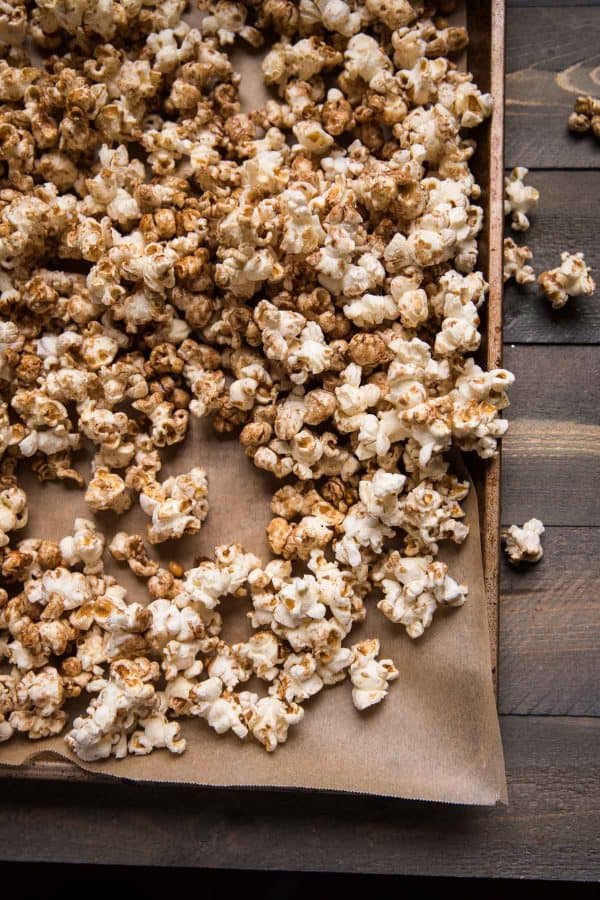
x,y
38,701
304,60
156,733
571,279
107,491
515,263
125,699
394,13
13,508
299,679
523,544
585,116
269,720
177,506
86,546
370,677
519,199
130,548
312,138
304,275
228,666
414,587
336,15
222,709
262,652
227,20
364,59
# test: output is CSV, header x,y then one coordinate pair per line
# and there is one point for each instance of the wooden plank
x,y
567,219
552,57
551,454
537,3
549,830
550,628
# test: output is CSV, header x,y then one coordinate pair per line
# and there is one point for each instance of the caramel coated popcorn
x,y
304,276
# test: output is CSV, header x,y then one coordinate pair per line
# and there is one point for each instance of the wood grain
x,y
550,628
529,3
549,830
566,219
553,55
551,454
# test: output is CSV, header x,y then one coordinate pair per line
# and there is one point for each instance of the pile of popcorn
x,y
305,276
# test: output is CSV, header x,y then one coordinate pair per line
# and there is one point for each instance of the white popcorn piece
x,y
13,508
262,652
523,543
298,680
515,263
414,587
353,399
85,545
572,278
335,15
222,709
124,699
361,530
155,733
73,589
364,59
370,676
177,506
519,199
270,718
227,19
304,59
312,137
393,13
38,700
230,667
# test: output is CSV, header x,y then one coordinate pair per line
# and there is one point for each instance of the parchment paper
x,y
435,736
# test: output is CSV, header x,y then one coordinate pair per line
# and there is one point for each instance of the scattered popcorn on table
x,y
573,278
586,116
519,199
523,544
515,263
303,275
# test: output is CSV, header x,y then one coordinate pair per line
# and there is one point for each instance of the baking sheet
x,y
435,737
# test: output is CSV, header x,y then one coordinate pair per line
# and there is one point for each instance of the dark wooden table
x,y
549,616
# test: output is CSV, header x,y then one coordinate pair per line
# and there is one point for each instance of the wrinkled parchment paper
x,y
435,736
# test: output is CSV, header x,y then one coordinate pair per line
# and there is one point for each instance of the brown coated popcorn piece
x,y
130,548
585,116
